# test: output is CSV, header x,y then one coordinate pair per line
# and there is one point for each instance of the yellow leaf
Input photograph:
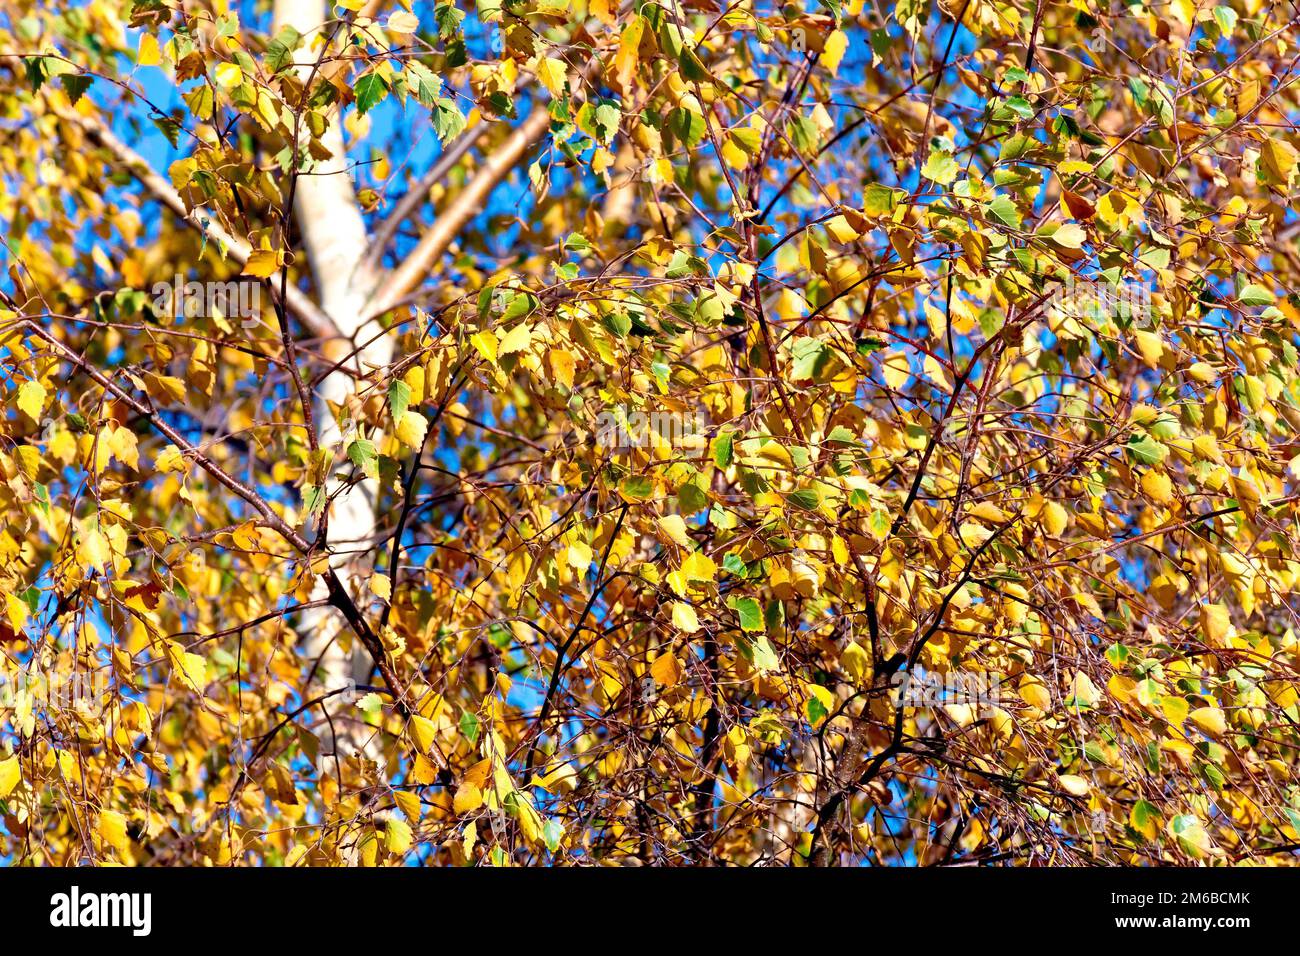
x,y
423,733
1216,624
31,399
112,830
397,836
381,586
896,370
229,75
685,618
16,611
1121,687
562,779
94,551
988,511
1210,720
856,661
403,23
414,378
409,803
262,263
579,556
10,774
666,670
1151,346
1055,518
625,61
1279,157
553,74
169,459
1083,691
1072,783
562,366
841,230
468,798
411,428
517,339
148,52
190,668
833,50
1035,693
530,821
486,343
1158,487
1175,710
699,567
736,157
164,388
1069,236
673,527
1191,835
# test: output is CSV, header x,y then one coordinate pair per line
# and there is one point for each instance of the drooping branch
x,y
338,596
317,321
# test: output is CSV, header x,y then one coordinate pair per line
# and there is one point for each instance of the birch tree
x,y
669,433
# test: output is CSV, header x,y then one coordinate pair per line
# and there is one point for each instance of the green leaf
x,y
552,833
448,18
313,498
363,454
687,126
469,726
424,83
370,90
1004,211
750,613
279,52
941,167
75,84
1226,18
447,121
758,650
1255,295
636,487
1145,450
723,449
816,711
811,356
878,200
399,398
168,127
806,499
1144,813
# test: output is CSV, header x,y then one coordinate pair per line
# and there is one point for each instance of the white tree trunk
x,y
334,234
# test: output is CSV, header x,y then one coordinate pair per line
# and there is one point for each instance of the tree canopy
x,y
649,433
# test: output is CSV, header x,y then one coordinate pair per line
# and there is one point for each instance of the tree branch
x,y
464,207
304,309
418,194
